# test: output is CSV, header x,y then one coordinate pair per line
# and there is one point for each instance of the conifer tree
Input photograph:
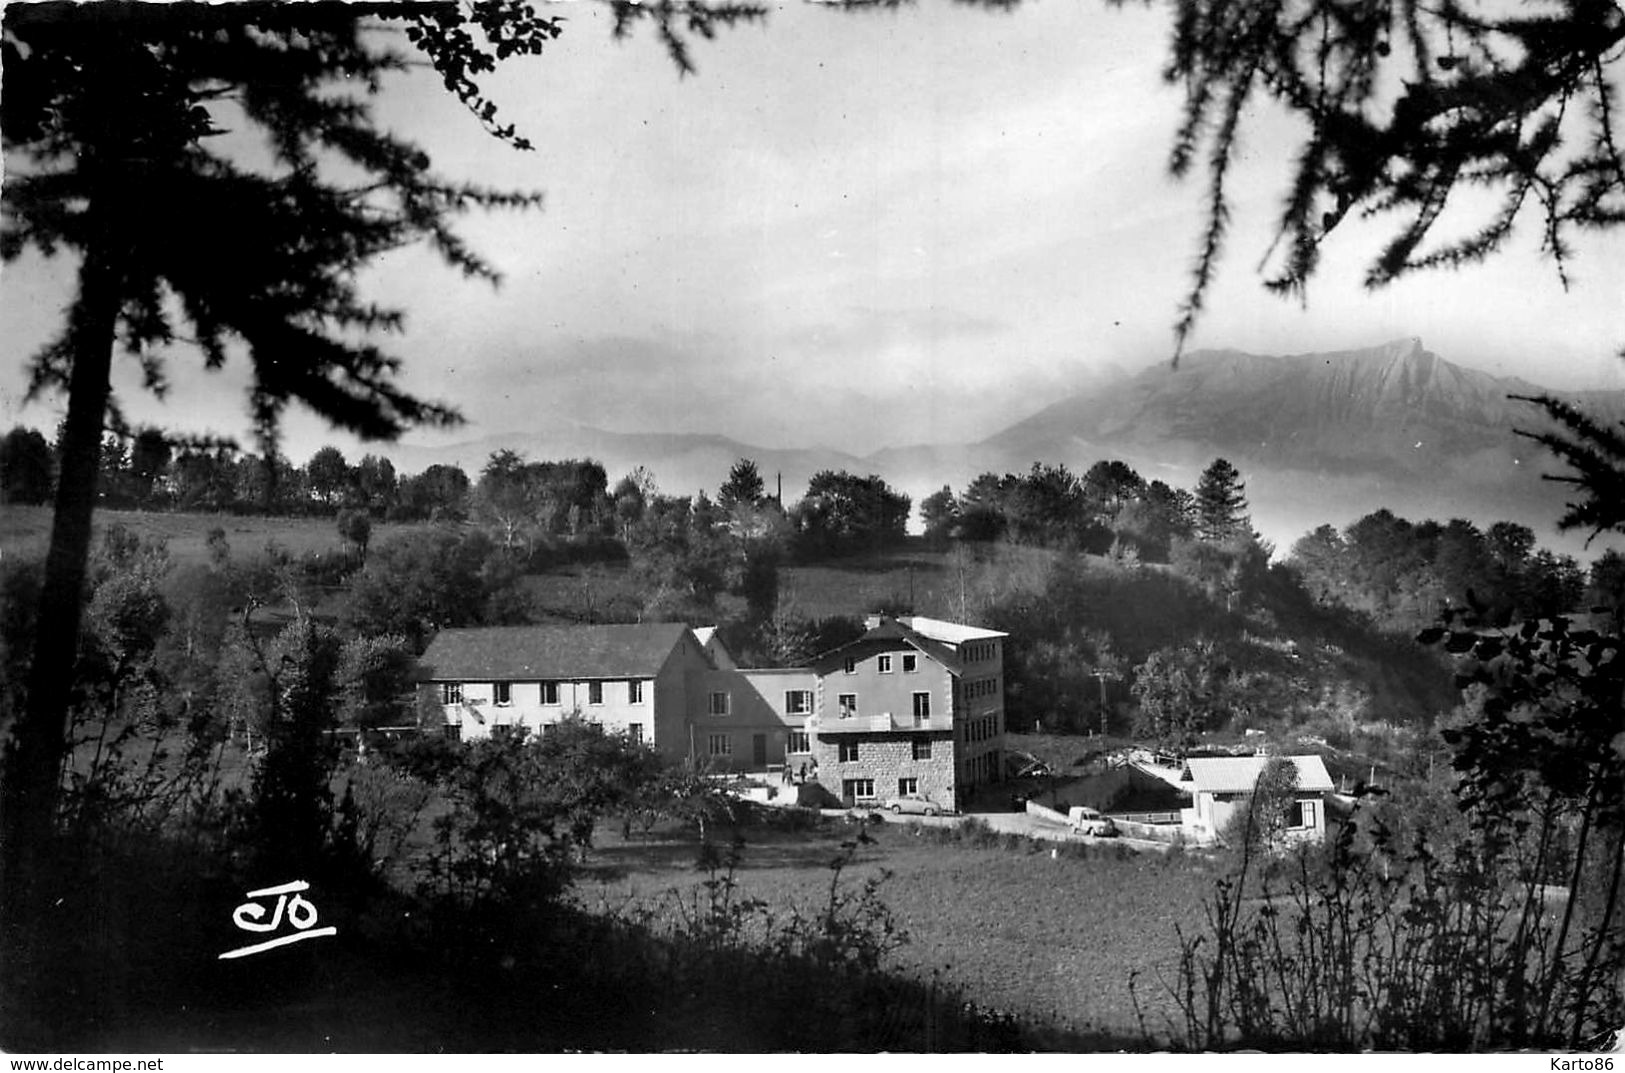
x,y
112,117
1221,503
1413,113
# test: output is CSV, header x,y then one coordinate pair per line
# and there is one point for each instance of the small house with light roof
x,y
1221,786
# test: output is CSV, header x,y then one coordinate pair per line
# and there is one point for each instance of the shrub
x,y
1393,947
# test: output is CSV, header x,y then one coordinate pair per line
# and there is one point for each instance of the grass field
x,y
26,531
942,584
1051,940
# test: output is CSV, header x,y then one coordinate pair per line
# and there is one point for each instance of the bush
x,y
1388,946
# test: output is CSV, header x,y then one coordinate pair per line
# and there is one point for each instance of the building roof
x,y
538,653
1238,774
953,633
893,630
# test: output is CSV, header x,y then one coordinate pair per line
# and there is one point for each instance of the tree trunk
x,y
34,755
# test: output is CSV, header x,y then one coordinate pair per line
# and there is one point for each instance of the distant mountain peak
x,y
1389,424
1407,349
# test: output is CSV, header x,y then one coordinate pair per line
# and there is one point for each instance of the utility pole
x,y
1101,676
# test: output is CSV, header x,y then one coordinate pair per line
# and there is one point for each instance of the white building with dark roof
x,y
663,683
634,679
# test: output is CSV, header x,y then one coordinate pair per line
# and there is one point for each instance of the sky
x,y
852,230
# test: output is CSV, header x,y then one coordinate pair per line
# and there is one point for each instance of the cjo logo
x,y
298,912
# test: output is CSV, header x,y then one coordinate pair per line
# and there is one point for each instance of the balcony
x,y
884,723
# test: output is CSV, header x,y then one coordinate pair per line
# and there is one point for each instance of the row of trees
x,y
1404,574
526,505
1110,505
148,470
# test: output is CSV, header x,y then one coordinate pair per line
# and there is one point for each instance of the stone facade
x,y
884,761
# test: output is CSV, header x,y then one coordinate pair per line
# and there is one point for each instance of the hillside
x,y
1312,667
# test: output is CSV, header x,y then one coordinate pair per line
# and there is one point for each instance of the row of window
x,y
849,752
847,705
885,661
796,701
984,768
547,692
981,687
862,788
982,729
454,731
978,651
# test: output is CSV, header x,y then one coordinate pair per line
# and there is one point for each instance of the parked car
x,y
1088,821
915,804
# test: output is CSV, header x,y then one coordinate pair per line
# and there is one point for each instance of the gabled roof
x,y
890,630
1238,774
496,653
715,650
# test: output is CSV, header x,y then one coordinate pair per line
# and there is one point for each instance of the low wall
x,y
1048,815
1154,832
1173,834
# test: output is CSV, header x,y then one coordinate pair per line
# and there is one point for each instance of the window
x,y
635,732
797,701
502,692
848,704
849,752
851,666
922,748
454,732
799,742
719,704
922,707
634,691
720,744
550,692
857,788
1306,814
595,692
451,692
908,786
883,663
911,662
